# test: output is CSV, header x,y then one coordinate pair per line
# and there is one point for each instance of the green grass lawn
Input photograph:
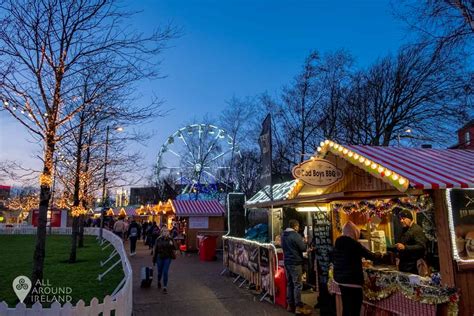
x,y
16,257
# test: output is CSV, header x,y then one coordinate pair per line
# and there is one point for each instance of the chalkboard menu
x,y
322,240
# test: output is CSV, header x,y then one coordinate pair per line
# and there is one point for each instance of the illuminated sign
x,y
318,172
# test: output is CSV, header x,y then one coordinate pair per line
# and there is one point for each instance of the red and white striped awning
x,y
197,208
423,168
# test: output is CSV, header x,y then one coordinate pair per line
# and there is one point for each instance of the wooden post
x,y
446,261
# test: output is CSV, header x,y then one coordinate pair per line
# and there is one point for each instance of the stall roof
x,y
281,192
197,208
420,168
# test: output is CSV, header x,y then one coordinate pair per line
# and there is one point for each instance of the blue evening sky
x,y
236,48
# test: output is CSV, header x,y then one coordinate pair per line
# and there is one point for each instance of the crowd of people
x,y
160,240
347,261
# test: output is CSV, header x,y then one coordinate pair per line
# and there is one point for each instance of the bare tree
x,y
448,21
309,108
7,170
248,172
419,88
47,47
237,118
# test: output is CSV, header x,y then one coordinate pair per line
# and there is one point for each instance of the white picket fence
x,y
31,230
121,302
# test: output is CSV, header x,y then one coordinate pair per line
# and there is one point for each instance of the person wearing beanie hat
x,y
405,214
347,257
411,245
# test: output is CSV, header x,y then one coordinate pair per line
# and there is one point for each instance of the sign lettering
x,y
317,172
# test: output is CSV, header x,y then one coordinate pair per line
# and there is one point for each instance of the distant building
x,y
121,198
465,137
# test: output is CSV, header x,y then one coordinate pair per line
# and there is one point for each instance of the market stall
x,y
377,182
194,218
370,186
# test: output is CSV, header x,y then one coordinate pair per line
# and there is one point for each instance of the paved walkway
x,y
195,288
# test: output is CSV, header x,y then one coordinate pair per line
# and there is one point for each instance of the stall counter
x,y
392,291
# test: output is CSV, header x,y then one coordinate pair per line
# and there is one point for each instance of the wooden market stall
x,y
369,185
199,217
435,185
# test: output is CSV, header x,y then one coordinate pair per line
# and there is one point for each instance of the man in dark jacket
x,y
348,273
293,248
134,231
412,243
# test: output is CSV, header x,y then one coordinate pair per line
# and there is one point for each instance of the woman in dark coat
x,y
163,253
348,254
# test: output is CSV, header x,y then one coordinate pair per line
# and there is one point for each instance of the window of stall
x,y
379,224
461,222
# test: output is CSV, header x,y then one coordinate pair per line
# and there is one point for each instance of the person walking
x,y
412,243
144,229
347,256
163,253
293,247
119,227
134,232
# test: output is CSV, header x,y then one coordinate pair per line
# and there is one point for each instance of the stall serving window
x,y
461,221
378,222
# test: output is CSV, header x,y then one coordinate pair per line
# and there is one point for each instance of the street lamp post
x,y
407,131
104,180
104,189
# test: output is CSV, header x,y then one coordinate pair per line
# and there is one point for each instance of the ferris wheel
x,y
197,156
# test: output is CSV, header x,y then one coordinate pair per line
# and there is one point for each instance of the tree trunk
x,y
80,241
75,224
45,195
86,190
77,188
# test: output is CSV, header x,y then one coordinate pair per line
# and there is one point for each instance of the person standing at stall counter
x,y
348,274
412,243
293,247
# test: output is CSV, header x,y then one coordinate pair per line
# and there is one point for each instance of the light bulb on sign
x,y
361,159
356,156
395,177
340,148
388,173
331,144
374,166
367,162
350,154
345,151
401,181
319,149
322,144
336,146
326,141
380,169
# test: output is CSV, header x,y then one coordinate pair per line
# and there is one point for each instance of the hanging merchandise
x,y
422,204
379,208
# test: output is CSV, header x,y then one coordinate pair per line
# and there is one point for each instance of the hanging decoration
x,y
379,285
380,208
420,204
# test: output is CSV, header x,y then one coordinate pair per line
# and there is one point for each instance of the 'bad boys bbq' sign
x,y
317,172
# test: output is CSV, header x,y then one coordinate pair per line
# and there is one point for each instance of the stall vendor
x,y
412,243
